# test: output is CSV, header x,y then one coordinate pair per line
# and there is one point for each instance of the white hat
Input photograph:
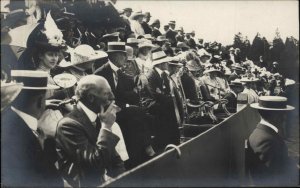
x,y
35,80
275,103
159,57
145,43
83,54
9,92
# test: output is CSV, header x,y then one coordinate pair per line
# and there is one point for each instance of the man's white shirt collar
x,y
113,67
264,122
32,122
90,114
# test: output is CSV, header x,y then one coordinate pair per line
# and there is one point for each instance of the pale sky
x,y
220,20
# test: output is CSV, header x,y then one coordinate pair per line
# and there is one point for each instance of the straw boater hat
x,y
172,22
65,80
83,54
192,65
161,38
35,80
160,57
49,37
249,79
116,47
148,37
274,103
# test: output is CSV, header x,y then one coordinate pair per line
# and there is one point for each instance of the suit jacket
x,y
146,28
23,160
191,43
171,35
156,33
180,38
83,154
267,158
123,92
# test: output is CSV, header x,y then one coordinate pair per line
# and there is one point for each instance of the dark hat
x,y
182,45
35,80
274,103
128,9
50,37
156,21
147,14
116,47
14,17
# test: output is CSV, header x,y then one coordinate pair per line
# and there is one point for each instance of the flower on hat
x,y
53,34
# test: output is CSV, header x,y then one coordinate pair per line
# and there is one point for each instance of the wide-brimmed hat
x,y
65,80
275,103
116,47
132,41
236,82
148,37
182,45
146,44
161,38
175,61
249,79
211,69
160,57
49,36
83,54
136,15
202,52
35,80
192,65
129,51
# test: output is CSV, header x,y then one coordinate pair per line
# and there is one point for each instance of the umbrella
x,y
9,91
18,38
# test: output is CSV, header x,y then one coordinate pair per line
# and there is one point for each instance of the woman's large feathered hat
x,y
49,36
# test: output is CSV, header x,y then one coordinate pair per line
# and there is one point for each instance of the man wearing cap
x,y
25,160
155,28
171,34
145,24
136,23
132,119
267,154
85,138
164,105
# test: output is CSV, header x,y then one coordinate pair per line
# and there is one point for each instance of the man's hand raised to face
x,y
108,117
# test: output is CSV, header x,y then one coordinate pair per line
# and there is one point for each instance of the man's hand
x,y
53,104
108,117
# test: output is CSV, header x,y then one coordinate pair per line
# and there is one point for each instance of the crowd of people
x,y
86,103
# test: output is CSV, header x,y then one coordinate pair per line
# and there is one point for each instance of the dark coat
x,y
162,108
83,157
189,88
156,33
133,120
180,38
171,36
146,28
191,43
24,162
267,158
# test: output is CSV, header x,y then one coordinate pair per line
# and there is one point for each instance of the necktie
x,y
97,124
166,82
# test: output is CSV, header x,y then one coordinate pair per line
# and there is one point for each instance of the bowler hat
x,y
274,103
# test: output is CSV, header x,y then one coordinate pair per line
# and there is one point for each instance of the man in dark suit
x,y
24,160
164,102
171,34
155,28
132,119
145,25
84,138
267,154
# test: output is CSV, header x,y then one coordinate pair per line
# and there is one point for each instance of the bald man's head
x,y
94,91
